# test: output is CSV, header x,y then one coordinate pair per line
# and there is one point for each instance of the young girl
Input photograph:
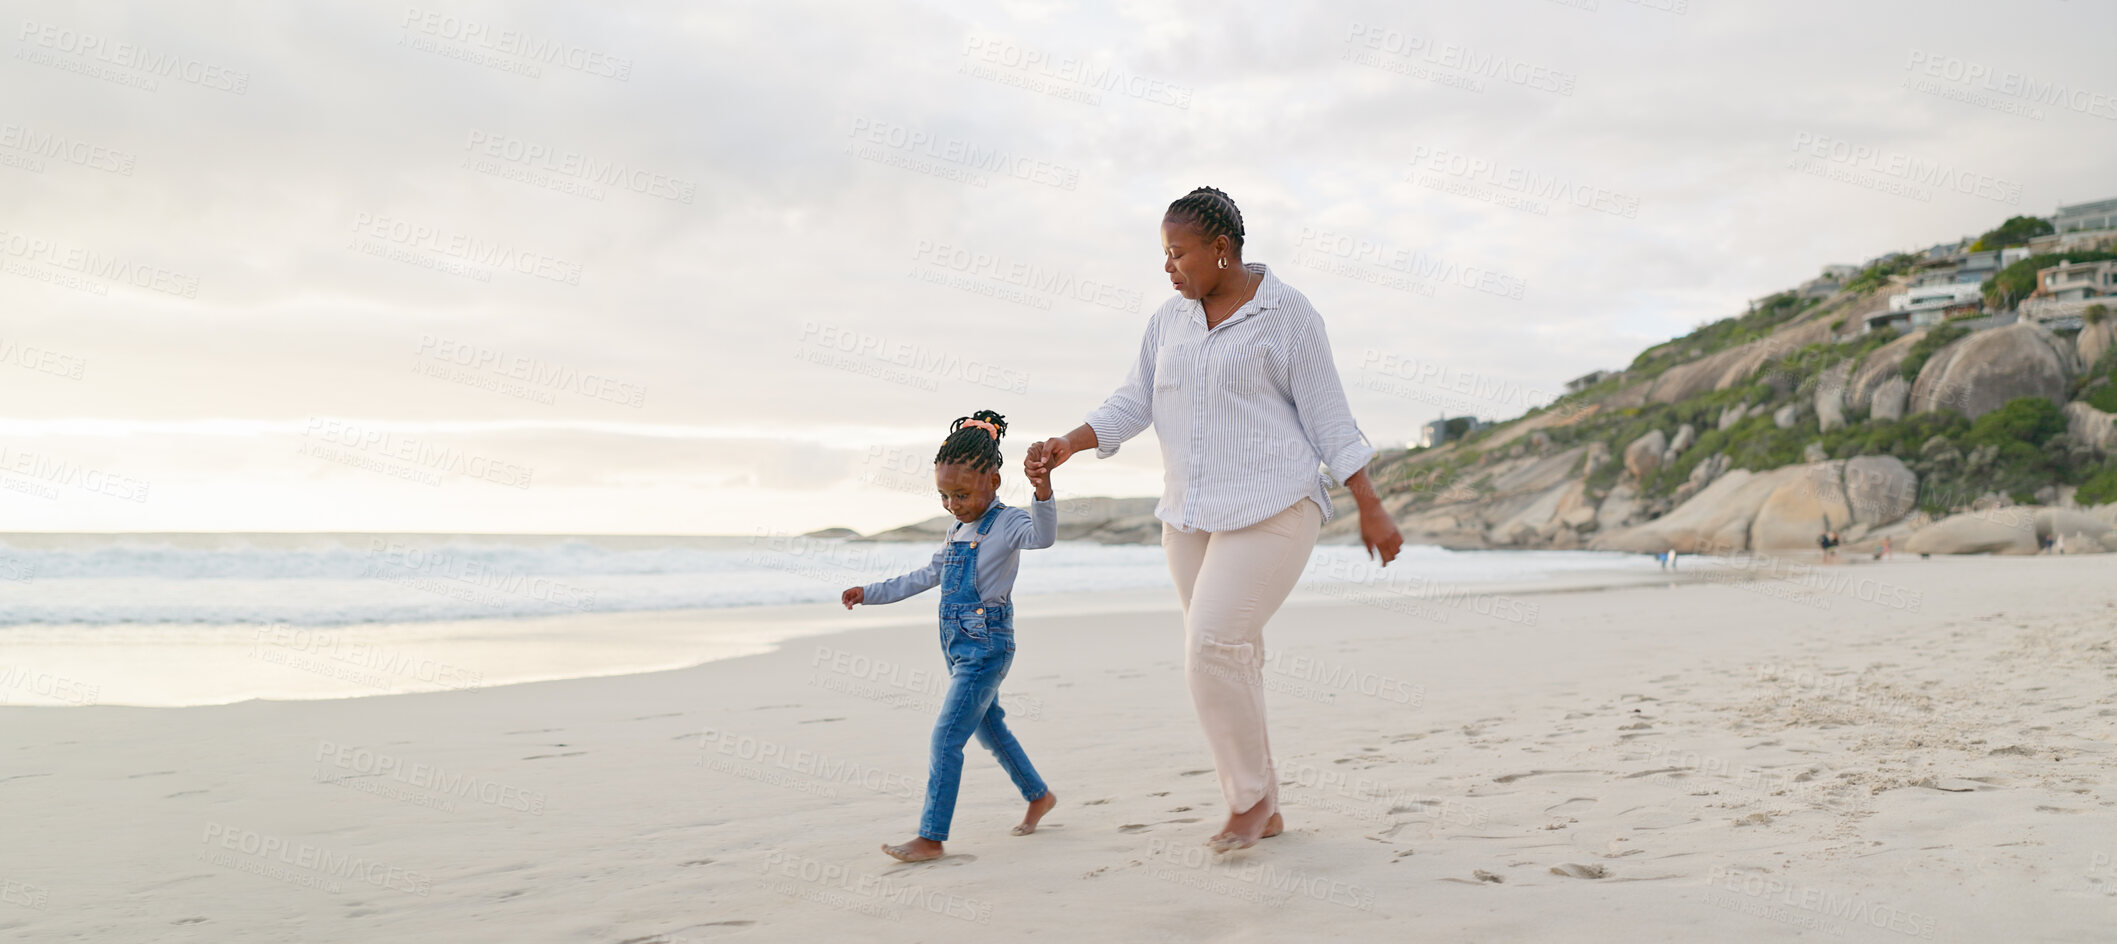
x,y
975,569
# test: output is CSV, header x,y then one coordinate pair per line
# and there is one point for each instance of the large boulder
x,y
1889,399
1533,521
1786,416
1643,456
1701,476
2092,427
1683,439
2010,530
1830,395
1880,366
1732,415
1804,505
1980,373
2081,532
1715,521
2095,339
1724,369
1618,507
1880,489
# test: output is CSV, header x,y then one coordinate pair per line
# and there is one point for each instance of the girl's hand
x,y
1380,534
1038,471
853,595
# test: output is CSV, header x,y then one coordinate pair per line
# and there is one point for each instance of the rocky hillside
x,y
1758,433
1108,520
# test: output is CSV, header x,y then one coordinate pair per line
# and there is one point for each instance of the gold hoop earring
x,y
1223,262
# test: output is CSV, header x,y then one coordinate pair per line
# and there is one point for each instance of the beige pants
x,y
1230,583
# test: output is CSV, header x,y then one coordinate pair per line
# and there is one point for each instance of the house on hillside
x,y
2101,214
1447,428
1833,278
2080,226
1927,305
2064,293
1970,267
1589,379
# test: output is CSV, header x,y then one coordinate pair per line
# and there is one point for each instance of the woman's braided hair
x,y
973,446
1212,211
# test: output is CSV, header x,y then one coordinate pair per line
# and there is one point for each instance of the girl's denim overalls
x,y
978,639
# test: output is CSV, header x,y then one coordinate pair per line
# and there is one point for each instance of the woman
x,y
1236,377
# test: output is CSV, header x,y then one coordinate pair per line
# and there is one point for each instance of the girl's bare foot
x,y
917,850
1245,828
1037,808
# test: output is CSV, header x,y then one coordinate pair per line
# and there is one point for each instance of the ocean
x,y
204,619
328,579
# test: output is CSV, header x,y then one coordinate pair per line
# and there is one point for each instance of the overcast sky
x,y
684,268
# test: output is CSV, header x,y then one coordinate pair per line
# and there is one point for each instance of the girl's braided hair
x,y
974,446
1212,211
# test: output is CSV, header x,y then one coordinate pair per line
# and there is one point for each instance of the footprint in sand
x,y
1510,778
1657,770
1134,828
1096,802
1576,870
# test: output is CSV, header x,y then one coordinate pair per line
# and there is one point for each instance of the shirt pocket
x,y
1171,363
1247,370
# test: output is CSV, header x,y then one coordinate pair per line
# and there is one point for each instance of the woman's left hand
x,y
1380,534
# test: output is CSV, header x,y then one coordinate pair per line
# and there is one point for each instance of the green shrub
x,y
2026,421
1874,276
2101,488
1937,337
2014,232
2104,398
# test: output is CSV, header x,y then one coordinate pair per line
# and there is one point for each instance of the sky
x,y
730,268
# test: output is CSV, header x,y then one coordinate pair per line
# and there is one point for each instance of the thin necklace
x,y
1250,290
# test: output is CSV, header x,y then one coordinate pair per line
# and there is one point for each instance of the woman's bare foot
x,y
1245,828
1037,808
917,850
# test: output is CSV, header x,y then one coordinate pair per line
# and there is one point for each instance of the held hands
x,y
1045,456
1036,466
853,595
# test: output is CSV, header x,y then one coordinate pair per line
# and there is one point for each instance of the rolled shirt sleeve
x,y
1130,410
903,585
1319,402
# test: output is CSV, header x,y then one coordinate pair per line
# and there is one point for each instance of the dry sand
x,y
1921,753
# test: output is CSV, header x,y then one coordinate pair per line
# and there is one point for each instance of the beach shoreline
x,y
1734,765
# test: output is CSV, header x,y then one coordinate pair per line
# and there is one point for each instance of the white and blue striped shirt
x,y
1247,412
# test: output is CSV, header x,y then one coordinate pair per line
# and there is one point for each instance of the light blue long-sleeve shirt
x,y
999,558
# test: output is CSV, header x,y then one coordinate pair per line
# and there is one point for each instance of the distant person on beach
x,y
975,569
1236,377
